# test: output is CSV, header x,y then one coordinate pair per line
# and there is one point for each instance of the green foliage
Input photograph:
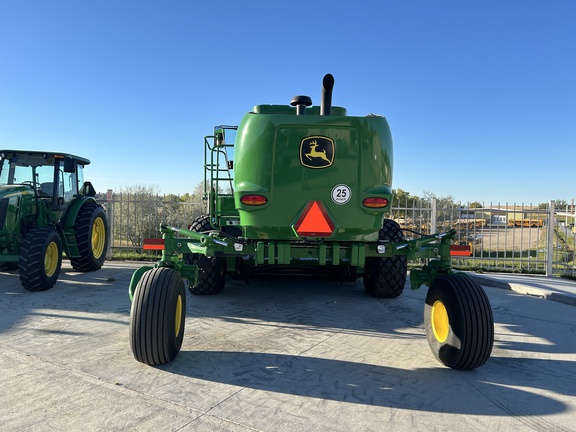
x,y
402,198
133,255
445,201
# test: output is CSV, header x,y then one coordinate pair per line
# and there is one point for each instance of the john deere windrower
x,y
307,188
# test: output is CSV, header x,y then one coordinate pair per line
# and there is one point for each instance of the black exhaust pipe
x,y
326,102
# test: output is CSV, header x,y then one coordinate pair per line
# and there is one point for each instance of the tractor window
x,y
22,174
80,174
4,169
44,174
30,171
70,183
44,181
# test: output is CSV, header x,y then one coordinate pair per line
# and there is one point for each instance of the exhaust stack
x,y
326,101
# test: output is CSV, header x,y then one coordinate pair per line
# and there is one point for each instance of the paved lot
x,y
506,238
276,355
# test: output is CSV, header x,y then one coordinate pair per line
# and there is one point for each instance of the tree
x,y
135,214
445,210
401,198
558,203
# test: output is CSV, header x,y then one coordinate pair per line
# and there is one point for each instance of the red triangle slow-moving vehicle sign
x,y
314,221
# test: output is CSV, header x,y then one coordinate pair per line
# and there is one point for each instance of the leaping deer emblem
x,y
315,153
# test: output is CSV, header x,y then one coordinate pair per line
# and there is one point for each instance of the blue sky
x,y
480,95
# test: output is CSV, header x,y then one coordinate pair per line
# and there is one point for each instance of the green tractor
x,y
46,208
307,188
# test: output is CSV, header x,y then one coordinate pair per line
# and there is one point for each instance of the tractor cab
x,y
54,178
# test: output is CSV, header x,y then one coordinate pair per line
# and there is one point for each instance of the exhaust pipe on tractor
x,y
301,102
326,102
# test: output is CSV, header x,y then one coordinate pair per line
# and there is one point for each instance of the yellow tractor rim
x,y
178,317
439,321
51,259
98,237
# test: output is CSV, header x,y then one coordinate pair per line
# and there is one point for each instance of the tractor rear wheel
x,y
459,322
91,230
40,259
157,316
211,270
386,277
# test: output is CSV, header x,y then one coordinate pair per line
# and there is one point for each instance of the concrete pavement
x,y
280,354
551,288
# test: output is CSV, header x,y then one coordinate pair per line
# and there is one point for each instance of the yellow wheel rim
x,y
98,237
178,317
51,259
439,321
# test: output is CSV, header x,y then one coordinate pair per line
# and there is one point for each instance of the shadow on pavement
x,y
434,390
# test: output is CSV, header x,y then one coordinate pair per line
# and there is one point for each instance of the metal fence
x,y
134,217
502,237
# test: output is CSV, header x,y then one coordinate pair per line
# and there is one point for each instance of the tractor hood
x,y
9,191
16,201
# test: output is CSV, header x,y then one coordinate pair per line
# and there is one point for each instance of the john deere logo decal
x,y
317,152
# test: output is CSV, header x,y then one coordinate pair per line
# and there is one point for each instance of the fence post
x,y
550,239
109,214
433,216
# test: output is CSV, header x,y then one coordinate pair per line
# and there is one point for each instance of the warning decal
x,y
314,221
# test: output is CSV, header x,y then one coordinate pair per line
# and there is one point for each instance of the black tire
x,y
40,259
386,277
91,231
211,271
157,316
459,322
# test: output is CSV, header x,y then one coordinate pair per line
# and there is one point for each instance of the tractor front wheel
x,y
157,316
40,259
386,277
459,322
211,270
91,230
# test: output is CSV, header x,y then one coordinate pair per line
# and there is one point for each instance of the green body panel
x,y
136,276
18,202
268,161
17,205
66,225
